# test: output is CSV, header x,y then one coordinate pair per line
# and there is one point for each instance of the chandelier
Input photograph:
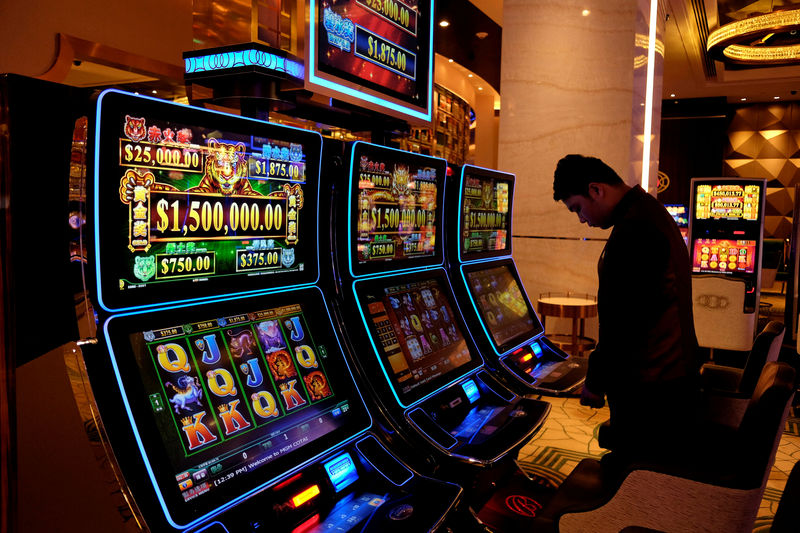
x,y
763,39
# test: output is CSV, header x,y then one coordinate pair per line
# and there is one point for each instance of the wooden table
x,y
578,307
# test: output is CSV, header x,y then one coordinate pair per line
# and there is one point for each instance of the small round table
x,y
578,307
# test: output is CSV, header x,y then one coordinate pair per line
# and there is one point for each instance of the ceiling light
x,y
155,92
585,12
672,95
734,42
450,60
469,75
744,99
481,35
480,88
444,23
776,97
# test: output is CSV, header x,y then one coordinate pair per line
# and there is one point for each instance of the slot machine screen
x,y
503,306
418,337
485,217
680,215
724,256
190,203
232,395
374,52
395,209
727,201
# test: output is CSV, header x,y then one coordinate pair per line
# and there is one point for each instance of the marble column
x,y
569,85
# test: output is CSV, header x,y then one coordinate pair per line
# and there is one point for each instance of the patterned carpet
x,y
570,434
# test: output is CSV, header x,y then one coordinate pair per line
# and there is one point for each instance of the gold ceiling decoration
x,y
746,41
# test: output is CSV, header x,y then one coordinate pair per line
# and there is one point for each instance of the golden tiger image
x,y
225,171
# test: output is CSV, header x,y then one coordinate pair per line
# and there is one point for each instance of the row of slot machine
x,y
299,335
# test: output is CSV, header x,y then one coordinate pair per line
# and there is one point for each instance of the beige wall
x,y
157,29
567,86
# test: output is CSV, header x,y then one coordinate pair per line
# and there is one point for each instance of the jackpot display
x,y
193,203
727,202
485,212
502,305
396,206
416,334
382,45
233,396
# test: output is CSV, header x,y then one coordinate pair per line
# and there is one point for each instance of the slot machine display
x,y
489,289
403,322
680,215
220,382
726,231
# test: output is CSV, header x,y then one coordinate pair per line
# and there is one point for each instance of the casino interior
x,y
311,304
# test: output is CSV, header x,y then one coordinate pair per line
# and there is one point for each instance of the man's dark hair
x,y
575,172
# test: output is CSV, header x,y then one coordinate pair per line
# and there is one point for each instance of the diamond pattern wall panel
x,y
764,142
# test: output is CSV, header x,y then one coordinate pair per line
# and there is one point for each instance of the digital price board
x,y
396,206
377,51
193,203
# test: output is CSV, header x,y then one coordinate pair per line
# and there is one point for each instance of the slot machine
x,y
681,218
726,231
489,289
217,377
396,306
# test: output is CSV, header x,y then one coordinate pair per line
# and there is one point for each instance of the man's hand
x,y
591,399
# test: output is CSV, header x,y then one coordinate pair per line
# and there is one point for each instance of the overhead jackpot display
x,y
485,218
396,207
192,203
727,202
232,395
376,51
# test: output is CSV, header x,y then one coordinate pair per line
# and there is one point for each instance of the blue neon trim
x,y
244,58
361,95
475,354
461,211
418,428
363,456
235,501
480,315
96,181
210,524
439,225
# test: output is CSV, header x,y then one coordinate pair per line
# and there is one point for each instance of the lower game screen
x,y
502,305
723,255
236,398
417,331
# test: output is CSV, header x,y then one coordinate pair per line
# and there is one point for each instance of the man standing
x,y
645,363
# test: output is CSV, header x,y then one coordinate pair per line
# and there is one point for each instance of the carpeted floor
x,y
570,434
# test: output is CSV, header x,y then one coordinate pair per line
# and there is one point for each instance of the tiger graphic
x,y
135,128
225,171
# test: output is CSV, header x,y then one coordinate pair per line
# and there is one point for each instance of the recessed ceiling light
x,y
586,12
444,23
481,35
480,88
155,92
744,99
777,97
469,75
672,95
450,60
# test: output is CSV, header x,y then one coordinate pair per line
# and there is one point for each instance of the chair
x,y
720,320
727,389
718,489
